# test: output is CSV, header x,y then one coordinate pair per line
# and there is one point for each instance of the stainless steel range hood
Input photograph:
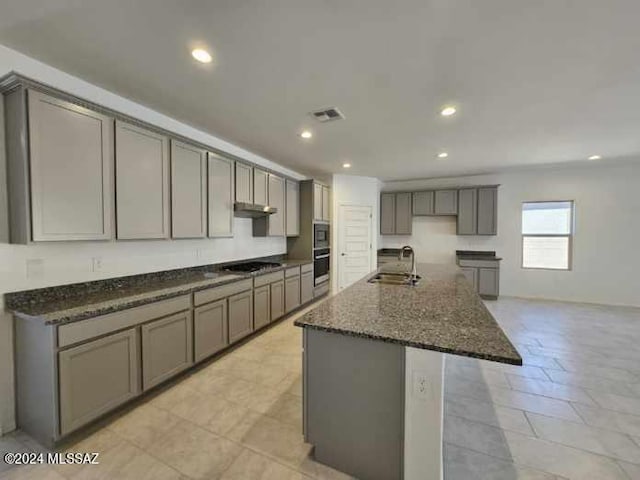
x,y
250,210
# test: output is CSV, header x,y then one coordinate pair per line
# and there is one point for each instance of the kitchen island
x,y
374,367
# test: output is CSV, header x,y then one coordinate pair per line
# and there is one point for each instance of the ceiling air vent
x,y
327,114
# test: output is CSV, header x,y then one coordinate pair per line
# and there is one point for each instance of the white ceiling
x,y
535,81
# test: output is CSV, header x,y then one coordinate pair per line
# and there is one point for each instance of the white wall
x,y
605,261
353,190
72,262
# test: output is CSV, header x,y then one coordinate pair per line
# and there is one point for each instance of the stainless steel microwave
x,y
321,236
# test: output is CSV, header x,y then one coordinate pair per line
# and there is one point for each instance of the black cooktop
x,y
250,267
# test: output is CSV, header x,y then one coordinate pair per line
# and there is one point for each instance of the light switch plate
x,y
421,385
96,264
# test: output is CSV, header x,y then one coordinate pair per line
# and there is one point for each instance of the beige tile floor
x,y
572,411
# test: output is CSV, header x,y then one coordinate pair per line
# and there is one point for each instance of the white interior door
x,y
354,244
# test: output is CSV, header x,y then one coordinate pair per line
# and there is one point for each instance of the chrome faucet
x,y
414,273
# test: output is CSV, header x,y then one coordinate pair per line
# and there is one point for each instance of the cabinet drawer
x,y
96,377
268,278
212,294
103,324
292,272
210,330
306,268
479,263
167,348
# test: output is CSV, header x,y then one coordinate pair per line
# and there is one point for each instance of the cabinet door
x,y
260,187
488,282
488,211
404,219
467,211
326,204
261,306
446,202
240,315
167,348
96,377
292,293
71,164
210,329
142,183
423,203
277,300
388,213
293,208
188,191
306,287
244,183
317,201
472,275
220,194
276,199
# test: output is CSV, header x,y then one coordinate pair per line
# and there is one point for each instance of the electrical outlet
x,y
35,267
96,264
421,385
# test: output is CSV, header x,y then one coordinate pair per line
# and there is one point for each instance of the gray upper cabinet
x,y
188,191
446,202
167,348
221,195
240,315
489,282
244,183
467,211
487,211
96,377
71,170
404,219
293,208
317,202
260,187
423,203
396,213
210,329
276,199
142,183
326,203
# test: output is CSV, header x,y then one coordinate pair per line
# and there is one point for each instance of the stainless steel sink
x,y
394,278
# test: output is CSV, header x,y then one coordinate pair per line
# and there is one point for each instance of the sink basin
x,y
394,278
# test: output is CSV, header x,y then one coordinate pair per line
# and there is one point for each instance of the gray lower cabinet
x,y
240,315
167,348
261,306
142,183
446,202
488,282
423,203
277,300
292,293
467,223
210,330
472,275
306,287
96,377
244,183
188,191
220,188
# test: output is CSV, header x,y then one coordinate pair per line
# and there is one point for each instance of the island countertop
x,y
441,313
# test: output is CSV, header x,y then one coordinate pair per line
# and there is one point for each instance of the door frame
x,y
338,242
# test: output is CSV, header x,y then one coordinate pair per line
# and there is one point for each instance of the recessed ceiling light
x,y
595,157
447,111
306,134
443,155
346,165
201,55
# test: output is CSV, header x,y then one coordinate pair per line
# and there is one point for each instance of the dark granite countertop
x,y
440,313
476,255
71,303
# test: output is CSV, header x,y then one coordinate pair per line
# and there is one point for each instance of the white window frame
x,y
569,236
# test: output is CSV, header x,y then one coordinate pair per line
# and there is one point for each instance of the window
x,y
547,231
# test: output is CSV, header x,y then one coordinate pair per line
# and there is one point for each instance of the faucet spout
x,y
414,272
